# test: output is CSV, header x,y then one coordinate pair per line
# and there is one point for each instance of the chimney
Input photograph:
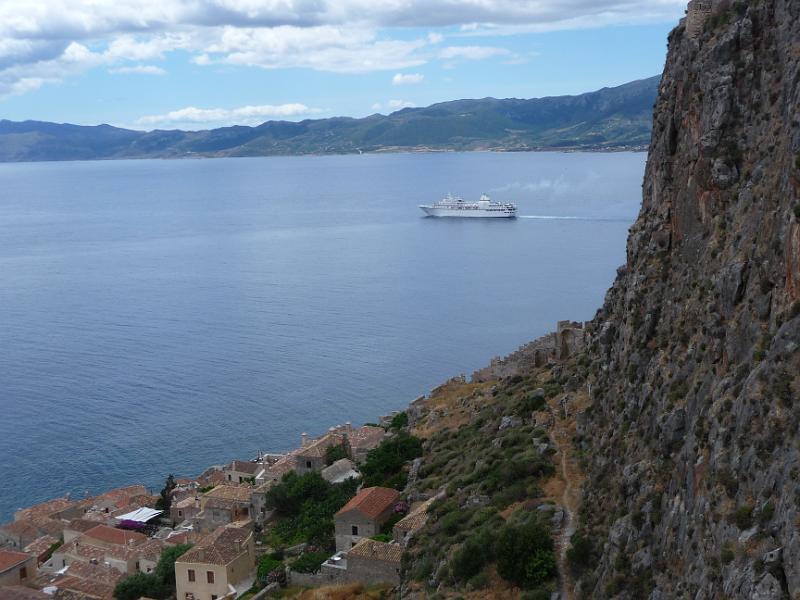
x,y
349,427
303,439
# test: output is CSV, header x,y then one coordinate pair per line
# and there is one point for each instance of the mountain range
x,y
610,118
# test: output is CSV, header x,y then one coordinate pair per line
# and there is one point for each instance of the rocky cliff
x,y
693,437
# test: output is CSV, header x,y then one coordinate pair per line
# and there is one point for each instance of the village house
x,y
274,470
362,439
128,552
258,501
19,592
340,471
221,565
415,520
240,471
16,568
76,528
18,534
81,581
371,562
185,510
41,548
363,515
222,505
312,454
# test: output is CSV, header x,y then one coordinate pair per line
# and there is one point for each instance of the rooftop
x,y
45,509
319,447
242,466
233,493
99,572
374,550
416,518
18,592
82,525
112,535
372,501
87,587
41,545
218,548
366,437
9,559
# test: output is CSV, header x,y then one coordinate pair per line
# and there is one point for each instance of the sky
x,y
197,64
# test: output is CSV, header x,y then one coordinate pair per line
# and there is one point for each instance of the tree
x,y
165,569
525,554
165,500
399,421
334,453
159,584
384,464
139,585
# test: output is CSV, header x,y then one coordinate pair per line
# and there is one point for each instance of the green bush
x,y
399,421
309,562
382,537
334,453
581,554
384,464
525,554
306,505
529,404
140,585
742,517
159,584
471,557
266,565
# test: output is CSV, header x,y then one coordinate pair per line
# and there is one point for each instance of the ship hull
x,y
468,213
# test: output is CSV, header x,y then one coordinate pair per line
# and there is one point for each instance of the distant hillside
x,y
610,118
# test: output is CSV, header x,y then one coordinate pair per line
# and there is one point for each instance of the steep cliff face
x,y
693,486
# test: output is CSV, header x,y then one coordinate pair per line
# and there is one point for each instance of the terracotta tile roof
x,y
187,502
318,448
150,550
371,501
40,546
218,548
366,437
99,572
81,525
280,467
232,493
178,538
10,559
22,529
86,587
122,496
45,509
112,535
374,550
416,518
242,466
18,592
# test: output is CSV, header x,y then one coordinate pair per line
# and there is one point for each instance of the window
x,y
189,596
308,464
191,574
180,513
23,573
213,597
354,529
138,568
229,476
210,576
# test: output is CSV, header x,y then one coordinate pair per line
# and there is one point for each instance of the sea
x,y
162,316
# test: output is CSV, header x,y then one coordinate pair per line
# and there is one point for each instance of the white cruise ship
x,y
456,207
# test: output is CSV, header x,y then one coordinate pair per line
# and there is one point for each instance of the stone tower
x,y
696,15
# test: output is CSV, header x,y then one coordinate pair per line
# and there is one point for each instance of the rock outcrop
x,y
693,438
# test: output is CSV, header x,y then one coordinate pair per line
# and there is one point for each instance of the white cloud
x,y
243,115
407,78
472,52
139,70
48,40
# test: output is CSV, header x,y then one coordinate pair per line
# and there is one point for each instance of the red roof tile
x,y
9,559
372,501
112,535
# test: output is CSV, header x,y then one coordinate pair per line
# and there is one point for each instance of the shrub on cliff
x,y
525,554
384,464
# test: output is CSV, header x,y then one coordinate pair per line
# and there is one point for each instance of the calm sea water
x,y
161,316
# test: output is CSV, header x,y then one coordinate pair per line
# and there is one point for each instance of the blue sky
x,y
206,63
